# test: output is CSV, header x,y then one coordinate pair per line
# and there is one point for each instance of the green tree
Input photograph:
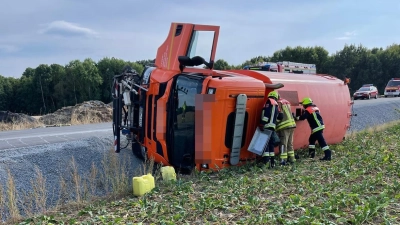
x,y
221,64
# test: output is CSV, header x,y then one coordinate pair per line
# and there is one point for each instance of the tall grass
x,y
110,181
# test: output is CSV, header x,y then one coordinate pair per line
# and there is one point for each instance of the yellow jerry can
x,y
142,185
168,173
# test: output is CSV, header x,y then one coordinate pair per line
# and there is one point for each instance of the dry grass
x,y
20,126
76,189
87,117
11,201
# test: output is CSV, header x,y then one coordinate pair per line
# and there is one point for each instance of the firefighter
x,y
285,129
270,114
314,118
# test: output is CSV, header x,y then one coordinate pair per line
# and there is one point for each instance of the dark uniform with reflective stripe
x,y
313,116
269,116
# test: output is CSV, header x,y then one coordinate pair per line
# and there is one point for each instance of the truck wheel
x,y
139,151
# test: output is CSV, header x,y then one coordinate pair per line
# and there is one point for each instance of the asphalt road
x,y
39,136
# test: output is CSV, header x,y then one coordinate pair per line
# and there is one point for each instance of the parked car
x,y
392,88
367,91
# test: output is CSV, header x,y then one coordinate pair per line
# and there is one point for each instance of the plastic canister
x,y
143,184
168,173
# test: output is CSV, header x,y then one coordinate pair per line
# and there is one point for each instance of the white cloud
x,y
65,28
347,35
352,33
343,38
8,48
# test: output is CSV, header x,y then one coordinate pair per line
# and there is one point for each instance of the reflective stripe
x,y
311,146
287,120
264,118
312,110
265,154
271,122
325,148
318,128
283,156
272,154
291,153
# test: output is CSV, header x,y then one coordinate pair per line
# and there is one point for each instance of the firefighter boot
x,y
272,163
311,152
327,156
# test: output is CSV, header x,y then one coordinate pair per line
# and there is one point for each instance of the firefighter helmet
x,y
273,94
306,101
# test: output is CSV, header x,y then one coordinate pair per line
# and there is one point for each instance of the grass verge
x,y
360,186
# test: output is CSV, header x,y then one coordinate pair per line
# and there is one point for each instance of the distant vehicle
x,y
367,91
393,87
284,67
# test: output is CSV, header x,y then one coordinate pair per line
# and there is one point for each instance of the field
x,y
360,186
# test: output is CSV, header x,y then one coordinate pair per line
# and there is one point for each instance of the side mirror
x,y
195,61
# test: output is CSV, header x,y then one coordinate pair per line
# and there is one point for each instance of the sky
x,y
58,31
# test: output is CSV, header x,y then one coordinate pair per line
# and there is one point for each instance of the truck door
x,y
190,40
181,130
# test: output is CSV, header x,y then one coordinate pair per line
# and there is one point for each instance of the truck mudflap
x,y
241,101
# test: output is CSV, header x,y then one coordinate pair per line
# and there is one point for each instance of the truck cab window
x,y
183,130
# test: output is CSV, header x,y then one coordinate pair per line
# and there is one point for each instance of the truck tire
x,y
139,151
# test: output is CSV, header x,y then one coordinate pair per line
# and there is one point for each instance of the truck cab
x,y
183,113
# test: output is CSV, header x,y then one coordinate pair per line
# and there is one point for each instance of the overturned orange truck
x,y
184,114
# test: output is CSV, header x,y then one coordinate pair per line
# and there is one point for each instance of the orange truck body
x,y
187,114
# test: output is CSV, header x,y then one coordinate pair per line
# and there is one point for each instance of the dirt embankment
x,y
82,113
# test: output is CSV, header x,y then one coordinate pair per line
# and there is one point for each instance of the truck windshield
x,y
182,133
393,83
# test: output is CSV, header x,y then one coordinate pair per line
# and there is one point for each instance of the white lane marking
x,y
44,140
10,144
20,140
57,134
63,138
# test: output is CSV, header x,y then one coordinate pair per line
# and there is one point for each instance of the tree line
x,y
46,88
